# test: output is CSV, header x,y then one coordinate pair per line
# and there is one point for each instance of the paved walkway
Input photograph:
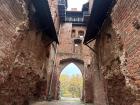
x,y
59,103
64,101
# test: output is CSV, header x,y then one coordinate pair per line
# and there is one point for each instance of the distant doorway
x,y
71,83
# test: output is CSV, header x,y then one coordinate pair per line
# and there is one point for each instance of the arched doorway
x,y
81,65
71,83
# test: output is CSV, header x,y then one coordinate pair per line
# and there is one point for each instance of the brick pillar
x,y
99,90
53,86
98,83
88,86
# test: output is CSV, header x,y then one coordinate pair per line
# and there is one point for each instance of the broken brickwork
x,y
30,68
68,52
117,48
24,56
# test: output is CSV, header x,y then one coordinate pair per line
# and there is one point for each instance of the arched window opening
x,y
73,33
81,34
71,83
77,46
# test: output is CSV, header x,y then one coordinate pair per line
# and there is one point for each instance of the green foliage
x,y
71,86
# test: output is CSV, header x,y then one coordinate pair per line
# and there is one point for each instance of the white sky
x,y
76,4
71,69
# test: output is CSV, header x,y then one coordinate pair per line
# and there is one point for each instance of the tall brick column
x,y
98,82
88,86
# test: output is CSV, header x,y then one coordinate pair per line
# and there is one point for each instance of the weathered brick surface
x,y
65,51
118,50
27,64
54,11
88,86
126,21
24,56
66,46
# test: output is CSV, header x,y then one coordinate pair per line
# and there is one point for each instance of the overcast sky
x,y
76,4
71,69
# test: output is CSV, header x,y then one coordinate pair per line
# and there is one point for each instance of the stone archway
x,y
86,74
71,74
79,63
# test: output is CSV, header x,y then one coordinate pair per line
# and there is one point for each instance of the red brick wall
x,y
54,11
126,20
66,46
125,17
65,50
23,56
118,49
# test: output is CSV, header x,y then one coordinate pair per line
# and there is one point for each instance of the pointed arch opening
x,y
71,82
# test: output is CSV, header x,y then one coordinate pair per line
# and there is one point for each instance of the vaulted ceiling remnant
x,y
100,10
43,19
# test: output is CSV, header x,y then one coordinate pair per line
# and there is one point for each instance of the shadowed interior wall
x,y
24,56
117,51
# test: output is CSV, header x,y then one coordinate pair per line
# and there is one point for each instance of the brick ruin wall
x,y
118,50
23,55
66,50
66,47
